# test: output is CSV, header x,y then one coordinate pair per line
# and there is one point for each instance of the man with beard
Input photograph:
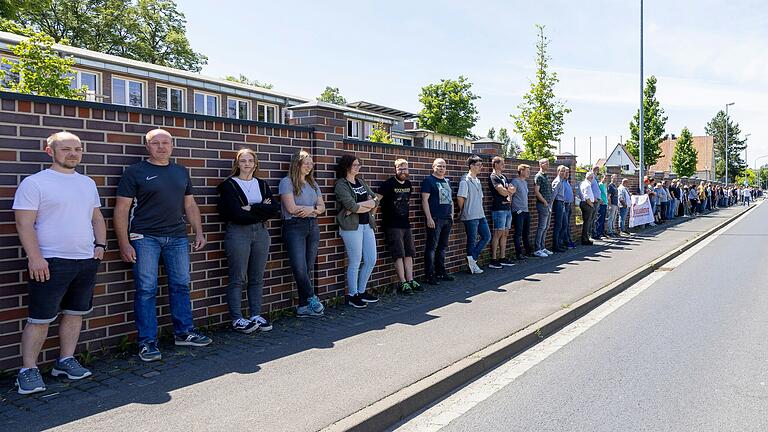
x,y
395,211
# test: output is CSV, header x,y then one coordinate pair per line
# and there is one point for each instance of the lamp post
x,y
641,141
758,172
726,140
746,159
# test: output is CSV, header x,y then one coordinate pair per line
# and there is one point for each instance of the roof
x,y
350,112
381,109
704,146
134,67
600,162
487,140
629,155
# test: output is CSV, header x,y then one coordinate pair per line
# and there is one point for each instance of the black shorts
x,y
400,242
69,290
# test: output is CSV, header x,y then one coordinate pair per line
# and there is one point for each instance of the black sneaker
x,y
506,262
243,325
368,298
446,277
263,323
495,264
192,338
405,288
432,280
356,302
416,286
148,352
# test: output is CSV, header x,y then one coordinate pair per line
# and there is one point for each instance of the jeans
x,y
247,249
613,212
623,220
558,210
302,237
473,227
437,243
175,254
566,239
541,228
664,210
361,257
600,220
587,214
522,222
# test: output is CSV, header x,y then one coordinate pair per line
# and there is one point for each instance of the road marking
x,y
459,403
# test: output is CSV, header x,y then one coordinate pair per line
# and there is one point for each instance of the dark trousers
x,y
301,237
664,210
522,223
558,209
437,243
566,238
586,215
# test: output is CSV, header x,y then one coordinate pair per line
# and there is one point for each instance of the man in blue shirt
x,y
598,201
569,201
437,203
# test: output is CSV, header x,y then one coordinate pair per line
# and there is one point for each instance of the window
x,y
368,130
9,78
127,92
239,109
353,129
85,79
429,143
267,113
206,104
169,98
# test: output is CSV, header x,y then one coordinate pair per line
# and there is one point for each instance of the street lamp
x,y
746,159
758,172
641,141
726,140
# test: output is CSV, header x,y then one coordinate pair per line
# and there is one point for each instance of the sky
x,y
704,53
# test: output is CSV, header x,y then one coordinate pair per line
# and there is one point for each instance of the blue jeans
x,y
437,243
558,209
247,249
175,254
623,212
302,237
545,212
474,227
600,220
361,247
566,237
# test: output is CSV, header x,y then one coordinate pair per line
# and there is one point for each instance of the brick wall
x,y
206,145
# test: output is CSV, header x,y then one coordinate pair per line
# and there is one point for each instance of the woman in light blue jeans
x,y
356,207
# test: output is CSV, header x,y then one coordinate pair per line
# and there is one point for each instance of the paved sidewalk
x,y
306,374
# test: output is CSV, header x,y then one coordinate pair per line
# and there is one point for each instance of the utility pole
x,y
590,150
641,142
726,140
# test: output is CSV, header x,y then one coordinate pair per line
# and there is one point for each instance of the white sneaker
x,y
547,251
473,267
541,254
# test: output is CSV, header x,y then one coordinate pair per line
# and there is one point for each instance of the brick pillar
x,y
566,159
488,146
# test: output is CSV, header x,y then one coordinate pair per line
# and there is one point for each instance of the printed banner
x,y
640,213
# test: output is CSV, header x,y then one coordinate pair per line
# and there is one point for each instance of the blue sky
x,y
704,53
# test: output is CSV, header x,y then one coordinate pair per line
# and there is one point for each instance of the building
x,y
705,148
397,131
619,157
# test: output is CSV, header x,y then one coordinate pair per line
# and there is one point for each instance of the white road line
x,y
456,405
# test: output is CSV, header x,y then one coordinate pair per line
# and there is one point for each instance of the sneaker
x,y
506,262
148,352
416,286
192,338
307,311
541,254
571,245
356,302
243,325
433,280
495,264
405,288
263,323
316,305
368,298
71,368
446,277
30,381
471,264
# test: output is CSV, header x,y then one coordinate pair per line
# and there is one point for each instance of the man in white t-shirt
x,y
64,236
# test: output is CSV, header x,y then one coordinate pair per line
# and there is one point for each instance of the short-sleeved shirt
x,y
603,193
498,201
471,189
64,205
545,187
520,198
308,197
361,194
440,196
613,194
158,193
395,203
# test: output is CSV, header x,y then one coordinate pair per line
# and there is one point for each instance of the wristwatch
x,y
103,246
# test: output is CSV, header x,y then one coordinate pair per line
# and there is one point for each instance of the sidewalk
x,y
306,374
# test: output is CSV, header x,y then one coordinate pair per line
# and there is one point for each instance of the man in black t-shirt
x,y
153,197
395,212
501,212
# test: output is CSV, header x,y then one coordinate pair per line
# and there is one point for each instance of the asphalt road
x,y
690,353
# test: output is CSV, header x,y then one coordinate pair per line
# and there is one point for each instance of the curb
x,y
390,410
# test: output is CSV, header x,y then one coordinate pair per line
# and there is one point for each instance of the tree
x,y
749,176
542,115
654,122
332,95
685,157
40,70
491,133
242,79
716,128
448,107
379,134
153,31
510,148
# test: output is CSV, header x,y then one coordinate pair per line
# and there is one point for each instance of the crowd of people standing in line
x,y
155,203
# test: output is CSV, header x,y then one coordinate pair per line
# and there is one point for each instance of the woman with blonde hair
x,y
302,202
245,204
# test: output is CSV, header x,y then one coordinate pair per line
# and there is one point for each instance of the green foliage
x,y
511,148
491,133
9,26
748,175
716,128
448,107
654,122
153,31
685,156
380,134
242,79
332,95
542,115
40,70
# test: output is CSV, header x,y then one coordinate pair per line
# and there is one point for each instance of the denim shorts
x,y
502,219
69,290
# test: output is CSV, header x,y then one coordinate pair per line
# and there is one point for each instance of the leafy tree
x,y
40,70
654,122
716,128
748,175
380,134
242,79
153,31
542,115
491,133
511,148
448,107
9,26
332,95
685,157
